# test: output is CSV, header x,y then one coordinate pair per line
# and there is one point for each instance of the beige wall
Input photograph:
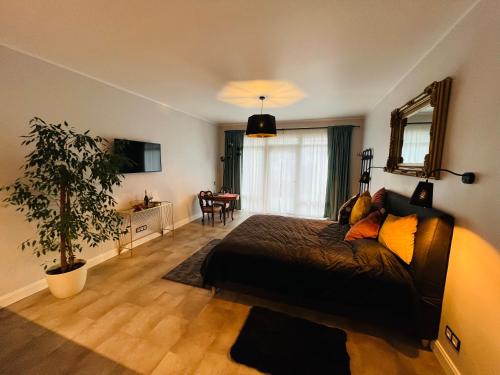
x,y
30,87
356,143
470,54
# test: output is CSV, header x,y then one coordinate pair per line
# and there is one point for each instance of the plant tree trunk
x,y
69,248
62,210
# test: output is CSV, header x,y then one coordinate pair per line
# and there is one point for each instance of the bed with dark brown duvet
x,y
308,260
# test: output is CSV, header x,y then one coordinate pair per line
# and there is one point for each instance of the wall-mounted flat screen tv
x,y
138,157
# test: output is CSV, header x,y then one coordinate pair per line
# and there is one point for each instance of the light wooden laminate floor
x,y
129,320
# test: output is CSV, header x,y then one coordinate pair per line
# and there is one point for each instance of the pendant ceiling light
x,y
261,126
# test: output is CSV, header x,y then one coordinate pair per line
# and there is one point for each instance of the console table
x,y
157,217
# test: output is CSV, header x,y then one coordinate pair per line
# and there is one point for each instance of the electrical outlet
x,y
141,228
452,338
448,333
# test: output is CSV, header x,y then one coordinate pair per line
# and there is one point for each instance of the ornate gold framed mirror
x,y
417,132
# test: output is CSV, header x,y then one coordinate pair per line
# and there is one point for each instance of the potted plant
x,y
66,189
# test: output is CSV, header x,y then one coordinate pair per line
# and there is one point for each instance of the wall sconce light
x,y
422,196
366,177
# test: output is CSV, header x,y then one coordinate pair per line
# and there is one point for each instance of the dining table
x,y
223,199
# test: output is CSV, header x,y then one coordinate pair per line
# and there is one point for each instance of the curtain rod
x,y
314,127
318,127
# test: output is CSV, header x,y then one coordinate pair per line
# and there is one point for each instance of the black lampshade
x,y
261,126
422,196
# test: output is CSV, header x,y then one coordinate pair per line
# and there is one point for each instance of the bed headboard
x,y
400,205
430,260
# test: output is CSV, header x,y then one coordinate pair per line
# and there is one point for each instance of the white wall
x,y
470,54
356,141
30,87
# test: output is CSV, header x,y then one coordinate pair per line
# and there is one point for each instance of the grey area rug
x,y
188,272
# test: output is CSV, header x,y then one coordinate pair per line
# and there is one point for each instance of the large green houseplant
x,y
66,189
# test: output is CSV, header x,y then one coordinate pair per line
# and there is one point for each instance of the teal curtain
x,y
339,159
233,159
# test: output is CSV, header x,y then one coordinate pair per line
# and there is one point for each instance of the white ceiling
x,y
345,55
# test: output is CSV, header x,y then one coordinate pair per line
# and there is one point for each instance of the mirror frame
x,y
437,94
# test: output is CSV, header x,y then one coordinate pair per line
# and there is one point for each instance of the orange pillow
x,y
361,208
398,235
365,228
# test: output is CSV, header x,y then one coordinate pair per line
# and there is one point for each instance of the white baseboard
x,y
187,220
23,292
92,262
34,287
444,359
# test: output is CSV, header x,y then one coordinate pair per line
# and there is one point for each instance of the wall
x,y
32,87
470,54
356,142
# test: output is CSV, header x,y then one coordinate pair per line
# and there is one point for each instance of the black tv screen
x,y
137,156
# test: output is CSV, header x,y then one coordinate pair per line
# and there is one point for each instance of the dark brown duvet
x,y
309,258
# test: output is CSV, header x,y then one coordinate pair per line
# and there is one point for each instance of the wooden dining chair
x,y
207,205
229,206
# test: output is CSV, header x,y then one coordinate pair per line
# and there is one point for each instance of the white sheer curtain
x,y
416,139
286,174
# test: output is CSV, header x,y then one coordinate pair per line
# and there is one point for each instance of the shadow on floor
x,y
28,348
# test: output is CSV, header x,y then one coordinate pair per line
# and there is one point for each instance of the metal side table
x,y
156,218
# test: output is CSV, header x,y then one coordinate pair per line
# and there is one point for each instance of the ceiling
x,y
343,55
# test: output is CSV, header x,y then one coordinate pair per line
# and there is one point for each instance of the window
x,y
286,174
416,139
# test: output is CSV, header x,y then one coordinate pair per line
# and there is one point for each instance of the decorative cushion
x,y
398,235
365,228
378,199
361,208
345,210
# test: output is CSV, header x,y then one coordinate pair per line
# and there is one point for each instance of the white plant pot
x,y
67,284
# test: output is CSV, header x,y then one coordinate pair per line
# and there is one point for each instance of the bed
x,y
307,260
